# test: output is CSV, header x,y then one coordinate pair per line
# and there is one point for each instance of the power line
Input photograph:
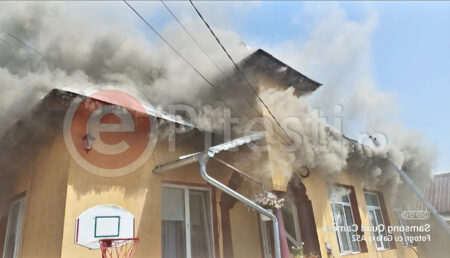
x,y
176,51
24,44
192,37
204,51
170,45
239,70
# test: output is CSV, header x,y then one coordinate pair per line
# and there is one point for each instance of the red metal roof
x,y
438,192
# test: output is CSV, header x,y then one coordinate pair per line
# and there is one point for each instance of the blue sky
x,y
411,54
400,49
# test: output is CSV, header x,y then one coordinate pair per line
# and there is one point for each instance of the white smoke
x,y
92,50
337,54
74,51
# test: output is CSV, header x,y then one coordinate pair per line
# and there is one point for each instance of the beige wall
x,y
59,190
245,232
138,192
45,183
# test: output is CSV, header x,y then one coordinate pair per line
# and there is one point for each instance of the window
x,y
186,229
291,224
266,237
406,236
13,229
291,227
343,218
376,219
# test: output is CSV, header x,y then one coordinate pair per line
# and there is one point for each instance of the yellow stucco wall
x,y
245,232
138,192
44,181
59,190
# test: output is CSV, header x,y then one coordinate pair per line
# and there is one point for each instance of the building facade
x,y
177,214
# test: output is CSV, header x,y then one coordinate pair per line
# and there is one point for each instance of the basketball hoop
x,y
118,247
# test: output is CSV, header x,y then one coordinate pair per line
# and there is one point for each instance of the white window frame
x,y
374,209
18,227
405,235
187,215
266,238
349,242
297,238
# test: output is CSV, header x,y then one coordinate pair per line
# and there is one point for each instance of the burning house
x,y
192,195
112,146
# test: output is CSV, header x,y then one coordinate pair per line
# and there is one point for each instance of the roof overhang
x,y
262,63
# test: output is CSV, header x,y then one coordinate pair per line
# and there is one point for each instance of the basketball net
x,y
118,248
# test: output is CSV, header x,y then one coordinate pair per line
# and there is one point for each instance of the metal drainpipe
x,y
203,160
419,194
416,190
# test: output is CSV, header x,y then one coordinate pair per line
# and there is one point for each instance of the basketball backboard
x,y
103,222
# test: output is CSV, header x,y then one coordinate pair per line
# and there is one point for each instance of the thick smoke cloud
x,y
337,53
78,52
84,51
77,47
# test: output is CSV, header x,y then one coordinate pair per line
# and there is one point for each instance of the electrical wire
x,y
200,47
239,70
168,43
179,54
209,57
24,44
192,37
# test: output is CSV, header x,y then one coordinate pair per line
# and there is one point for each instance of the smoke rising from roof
x,y
77,51
337,53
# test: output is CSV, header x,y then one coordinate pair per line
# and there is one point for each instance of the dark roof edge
x,y
281,63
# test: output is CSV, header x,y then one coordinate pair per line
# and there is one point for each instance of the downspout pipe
x,y
416,190
419,194
203,160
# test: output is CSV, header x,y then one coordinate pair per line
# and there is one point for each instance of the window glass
x,y
200,226
349,218
343,217
266,235
180,239
291,225
343,237
371,199
381,221
373,221
173,235
288,219
173,204
345,198
13,229
405,235
376,219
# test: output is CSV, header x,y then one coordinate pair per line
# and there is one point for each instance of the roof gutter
x,y
181,162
